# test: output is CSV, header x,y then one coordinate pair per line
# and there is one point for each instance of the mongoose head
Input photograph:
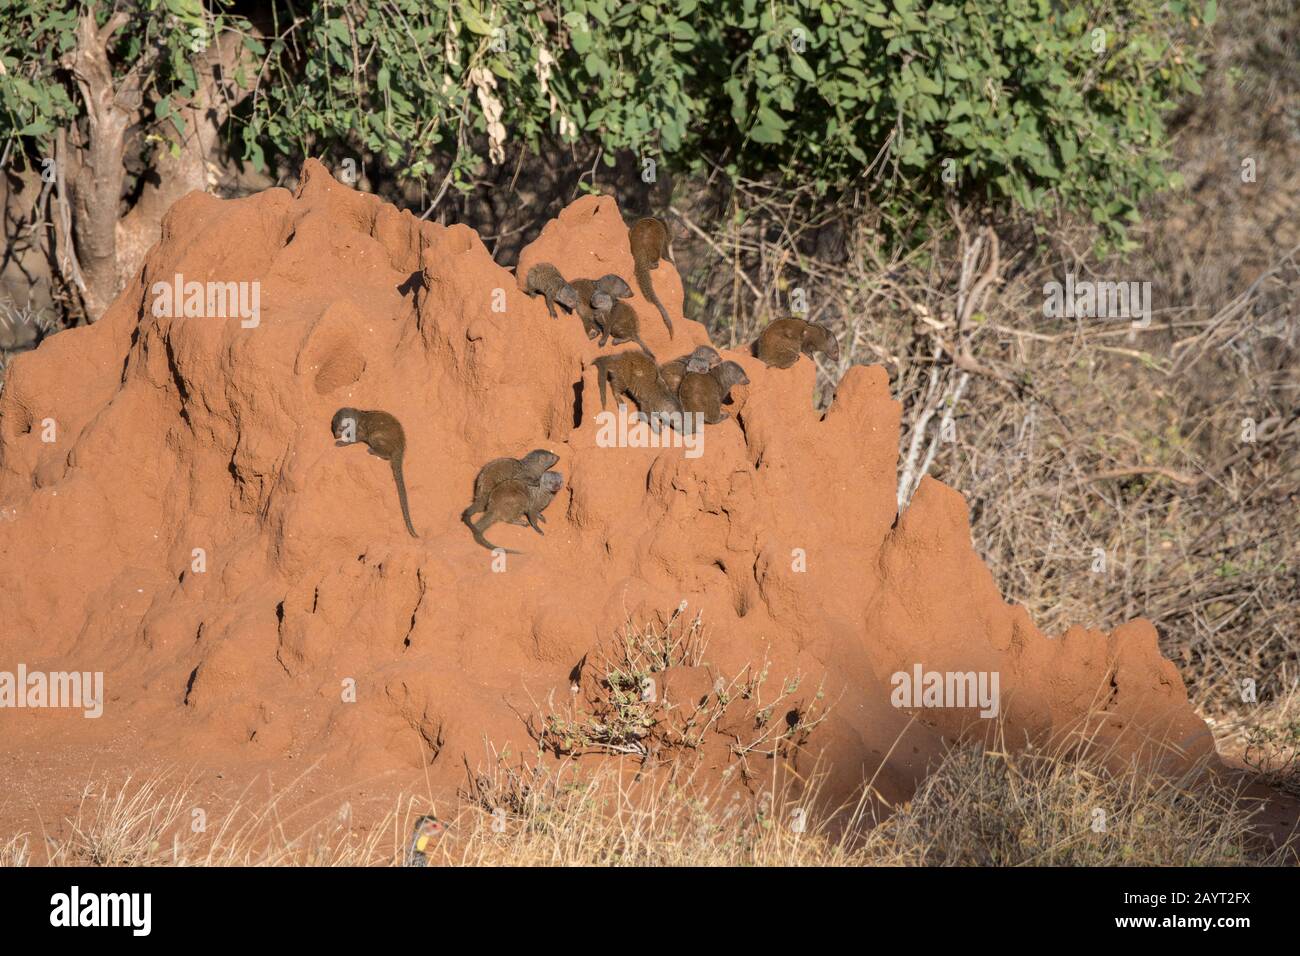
x,y
613,285
818,338
567,296
706,355
602,301
538,460
729,374
344,425
551,482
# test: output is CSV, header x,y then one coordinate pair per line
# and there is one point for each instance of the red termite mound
x,y
176,434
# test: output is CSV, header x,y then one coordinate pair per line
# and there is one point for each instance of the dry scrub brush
x,y
981,808
977,806
651,694
1271,745
1112,471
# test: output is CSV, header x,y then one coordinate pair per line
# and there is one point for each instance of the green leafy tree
x,y
1024,104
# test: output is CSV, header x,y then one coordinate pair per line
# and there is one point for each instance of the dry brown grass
x,y
160,821
979,806
1029,809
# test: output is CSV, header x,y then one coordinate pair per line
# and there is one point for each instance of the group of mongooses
x,y
597,300
509,490
513,491
676,391
518,490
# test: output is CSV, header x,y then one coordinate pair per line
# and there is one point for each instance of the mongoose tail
x,y
396,462
650,242
647,288
602,372
478,536
383,434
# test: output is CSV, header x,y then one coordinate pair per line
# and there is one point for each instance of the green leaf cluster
x,y
1030,104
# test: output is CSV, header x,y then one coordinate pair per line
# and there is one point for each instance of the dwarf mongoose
x,y
635,374
546,279
818,338
528,469
705,392
701,360
621,323
595,299
614,286
593,303
427,829
383,433
512,500
541,495
650,242
781,343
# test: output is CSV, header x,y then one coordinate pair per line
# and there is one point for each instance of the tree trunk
x,y
97,185
109,246
189,169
